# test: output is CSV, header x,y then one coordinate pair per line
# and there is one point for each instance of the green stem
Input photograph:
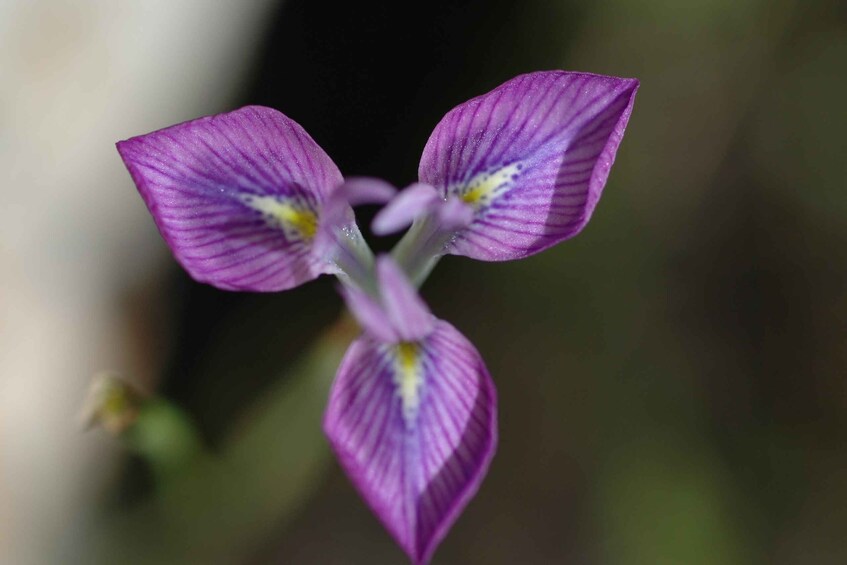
x,y
214,508
420,249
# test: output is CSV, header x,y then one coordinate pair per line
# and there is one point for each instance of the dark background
x,y
672,381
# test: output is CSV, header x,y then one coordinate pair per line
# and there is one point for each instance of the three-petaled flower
x,y
248,201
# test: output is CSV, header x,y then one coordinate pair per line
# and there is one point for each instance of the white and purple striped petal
x,y
237,196
414,427
531,157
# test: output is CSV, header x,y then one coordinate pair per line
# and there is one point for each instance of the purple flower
x,y
248,201
412,414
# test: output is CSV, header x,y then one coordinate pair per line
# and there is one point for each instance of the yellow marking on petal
x,y
486,187
408,377
295,218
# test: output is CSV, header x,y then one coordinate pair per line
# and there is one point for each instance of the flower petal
x,y
531,156
409,315
410,203
367,190
414,427
236,196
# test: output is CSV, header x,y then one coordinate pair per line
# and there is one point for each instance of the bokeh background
x,y
672,381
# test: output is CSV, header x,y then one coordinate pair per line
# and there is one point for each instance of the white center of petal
x,y
484,188
295,218
408,378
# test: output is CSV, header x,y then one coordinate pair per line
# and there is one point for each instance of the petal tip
x,y
404,208
127,147
366,190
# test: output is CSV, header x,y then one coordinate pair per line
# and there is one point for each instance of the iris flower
x,y
248,201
